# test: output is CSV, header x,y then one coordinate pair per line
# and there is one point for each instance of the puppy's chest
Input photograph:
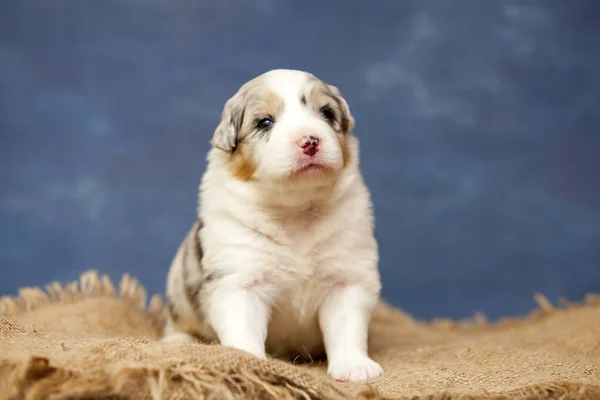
x,y
303,274
305,259
299,295
305,253
293,266
305,234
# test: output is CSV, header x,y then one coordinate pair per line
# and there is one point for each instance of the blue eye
x,y
264,123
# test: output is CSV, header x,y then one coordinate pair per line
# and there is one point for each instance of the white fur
x,y
298,258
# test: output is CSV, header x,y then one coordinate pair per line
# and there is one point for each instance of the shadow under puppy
x,y
282,259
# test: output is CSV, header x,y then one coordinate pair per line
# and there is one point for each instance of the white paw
x,y
178,337
355,369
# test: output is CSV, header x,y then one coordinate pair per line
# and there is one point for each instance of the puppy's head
x,y
286,125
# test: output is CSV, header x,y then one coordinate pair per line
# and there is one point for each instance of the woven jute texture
x,y
92,340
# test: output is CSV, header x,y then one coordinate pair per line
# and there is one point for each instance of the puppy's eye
x,y
264,123
327,113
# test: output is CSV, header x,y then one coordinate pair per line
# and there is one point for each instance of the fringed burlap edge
x,y
545,308
90,284
39,379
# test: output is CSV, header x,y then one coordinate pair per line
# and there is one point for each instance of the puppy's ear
x,y
347,120
227,134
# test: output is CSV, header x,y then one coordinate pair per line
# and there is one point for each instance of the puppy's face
x,y
286,125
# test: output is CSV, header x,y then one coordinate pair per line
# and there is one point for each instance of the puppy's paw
x,y
354,369
178,337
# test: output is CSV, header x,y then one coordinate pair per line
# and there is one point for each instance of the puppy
x,y
282,259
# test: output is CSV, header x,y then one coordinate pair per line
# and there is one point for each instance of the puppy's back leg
x,y
173,335
183,289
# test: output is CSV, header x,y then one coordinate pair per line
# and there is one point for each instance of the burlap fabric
x,y
88,340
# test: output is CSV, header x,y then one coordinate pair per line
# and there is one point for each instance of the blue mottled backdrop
x,y
478,122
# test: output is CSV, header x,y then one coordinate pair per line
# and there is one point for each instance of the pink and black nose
x,y
309,145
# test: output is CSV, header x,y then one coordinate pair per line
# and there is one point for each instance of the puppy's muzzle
x,y
309,145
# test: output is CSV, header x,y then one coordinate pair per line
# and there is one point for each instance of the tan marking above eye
x,y
269,104
254,101
262,105
320,97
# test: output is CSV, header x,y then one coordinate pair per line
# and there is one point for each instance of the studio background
x,y
478,123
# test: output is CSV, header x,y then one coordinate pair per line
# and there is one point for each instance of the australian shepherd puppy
x,y
282,259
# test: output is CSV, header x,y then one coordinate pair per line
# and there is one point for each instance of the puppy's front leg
x,y
240,318
344,318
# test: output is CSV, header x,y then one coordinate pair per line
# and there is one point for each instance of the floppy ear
x,y
347,120
227,134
